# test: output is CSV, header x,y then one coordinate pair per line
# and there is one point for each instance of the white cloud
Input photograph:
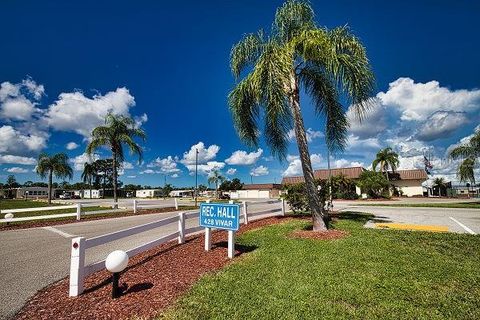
x,y
204,154
14,142
148,171
417,101
19,108
16,99
441,124
79,161
355,143
344,163
166,165
71,146
127,165
373,123
295,165
259,171
10,159
75,112
16,170
175,175
311,134
241,157
131,177
231,171
206,168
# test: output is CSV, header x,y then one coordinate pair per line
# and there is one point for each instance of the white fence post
x,y
79,211
283,207
134,205
181,227
176,203
245,215
208,239
231,244
77,264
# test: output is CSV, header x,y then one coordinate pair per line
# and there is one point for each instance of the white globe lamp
x,y
116,262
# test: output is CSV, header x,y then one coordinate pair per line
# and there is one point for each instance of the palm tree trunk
x,y
50,178
312,196
90,183
115,198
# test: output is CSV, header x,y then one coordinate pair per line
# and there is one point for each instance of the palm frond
x,y
292,18
246,52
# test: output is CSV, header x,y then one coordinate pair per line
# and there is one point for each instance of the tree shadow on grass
x,y
359,216
239,248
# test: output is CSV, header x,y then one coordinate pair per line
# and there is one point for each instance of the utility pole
x,y
196,176
251,179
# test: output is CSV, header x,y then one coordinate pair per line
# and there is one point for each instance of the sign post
x,y
220,216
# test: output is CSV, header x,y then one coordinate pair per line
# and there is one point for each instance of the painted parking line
x,y
416,227
60,232
463,226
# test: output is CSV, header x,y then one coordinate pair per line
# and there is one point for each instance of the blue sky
x,y
65,64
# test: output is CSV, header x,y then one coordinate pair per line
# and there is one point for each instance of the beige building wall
x,y
410,188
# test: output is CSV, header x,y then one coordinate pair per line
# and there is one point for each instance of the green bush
x,y
374,184
296,195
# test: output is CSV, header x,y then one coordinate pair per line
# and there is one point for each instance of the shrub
x,y
374,184
296,195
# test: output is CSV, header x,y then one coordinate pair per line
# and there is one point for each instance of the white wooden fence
x,y
78,270
136,205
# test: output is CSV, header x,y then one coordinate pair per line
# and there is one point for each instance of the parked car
x,y
225,197
66,195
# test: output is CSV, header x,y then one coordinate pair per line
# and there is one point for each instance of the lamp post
x,y
116,262
196,176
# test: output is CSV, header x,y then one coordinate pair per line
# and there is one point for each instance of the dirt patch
x,y
152,282
54,222
318,235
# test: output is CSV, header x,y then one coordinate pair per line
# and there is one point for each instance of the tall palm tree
x,y
386,158
470,153
216,178
117,132
328,64
54,165
89,172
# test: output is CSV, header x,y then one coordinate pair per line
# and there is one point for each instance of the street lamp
x,y
116,262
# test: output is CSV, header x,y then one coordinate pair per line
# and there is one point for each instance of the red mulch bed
x,y
152,282
323,235
53,222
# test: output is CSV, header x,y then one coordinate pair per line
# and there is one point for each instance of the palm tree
x,y
55,165
469,152
386,158
117,132
465,171
216,178
440,183
89,172
326,63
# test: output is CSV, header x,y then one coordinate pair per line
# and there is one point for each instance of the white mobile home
x,y
96,194
148,193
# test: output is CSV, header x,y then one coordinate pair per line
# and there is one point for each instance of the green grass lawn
x,y
466,205
370,274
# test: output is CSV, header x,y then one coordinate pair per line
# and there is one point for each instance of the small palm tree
x,y
441,184
55,165
89,172
386,158
470,153
298,54
216,178
117,132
